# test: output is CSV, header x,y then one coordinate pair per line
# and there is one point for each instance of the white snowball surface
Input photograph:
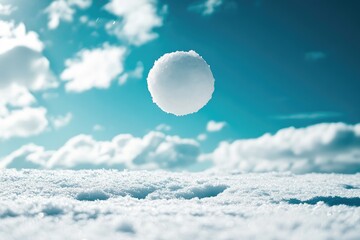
x,y
181,83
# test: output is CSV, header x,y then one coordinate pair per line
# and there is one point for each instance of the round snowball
x,y
181,83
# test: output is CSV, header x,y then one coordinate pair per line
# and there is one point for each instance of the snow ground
x,y
109,204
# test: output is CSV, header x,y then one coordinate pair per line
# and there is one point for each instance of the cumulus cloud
x,y
154,150
12,35
61,121
94,68
206,7
327,147
24,70
64,10
23,123
322,148
6,9
21,60
213,126
139,18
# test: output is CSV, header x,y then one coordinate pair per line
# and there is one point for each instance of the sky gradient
x,y
277,65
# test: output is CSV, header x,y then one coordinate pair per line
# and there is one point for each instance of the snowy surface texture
x,y
106,204
181,83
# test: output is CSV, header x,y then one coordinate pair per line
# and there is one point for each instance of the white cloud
x,y
98,128
206,7
213,126
154,150
137,73
64,10
6,9
12,35
61,121
327,147
308,116
21,61
24,70
94,68
201,137
163,127
138,20
23,123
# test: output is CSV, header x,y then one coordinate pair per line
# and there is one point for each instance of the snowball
x,y
181,83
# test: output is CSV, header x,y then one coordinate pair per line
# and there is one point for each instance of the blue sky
x,y
277,64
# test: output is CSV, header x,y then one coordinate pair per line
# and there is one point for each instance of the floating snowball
x,y
181,83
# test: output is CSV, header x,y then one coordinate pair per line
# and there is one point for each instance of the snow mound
x,y
109,204
181,83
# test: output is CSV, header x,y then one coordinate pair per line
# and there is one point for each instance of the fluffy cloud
x,y
21,61
23,123
154,150
139,18
94,68
64,10
6,9
213,126
207,7
12,35
163,127
61,121
23,70
201,137
327,147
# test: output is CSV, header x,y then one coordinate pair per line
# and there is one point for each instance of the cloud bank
x,y
327,147
321,148
153,151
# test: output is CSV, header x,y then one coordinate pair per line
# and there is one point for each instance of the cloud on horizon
x,y
153,151
325,147
321,148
